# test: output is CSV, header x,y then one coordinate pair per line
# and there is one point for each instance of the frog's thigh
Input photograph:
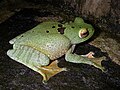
x,y
29,57
36,61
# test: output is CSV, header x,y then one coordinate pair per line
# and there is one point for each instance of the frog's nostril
x,y
83,33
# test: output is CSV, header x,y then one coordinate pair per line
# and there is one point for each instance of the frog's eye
x,y
83,33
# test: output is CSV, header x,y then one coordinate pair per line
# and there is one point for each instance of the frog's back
x,y
52,45
44,27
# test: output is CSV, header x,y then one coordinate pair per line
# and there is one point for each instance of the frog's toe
x,y
89,55
97,63
48,71
100,67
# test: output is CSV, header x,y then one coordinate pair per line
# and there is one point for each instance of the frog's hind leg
x,y
51,70
28,56
35,60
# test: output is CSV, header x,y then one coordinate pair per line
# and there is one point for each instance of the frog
x,y
40,47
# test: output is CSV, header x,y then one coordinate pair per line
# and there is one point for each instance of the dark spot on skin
x,y
22,36
80,27
61,30
73,27
47,31
59,25
53,26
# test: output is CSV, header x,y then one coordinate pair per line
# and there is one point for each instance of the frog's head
x,y
78,31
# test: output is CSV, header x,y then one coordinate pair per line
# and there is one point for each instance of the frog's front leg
x,y
74,58
36,61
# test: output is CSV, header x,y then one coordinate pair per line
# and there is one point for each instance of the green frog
x,y
40,47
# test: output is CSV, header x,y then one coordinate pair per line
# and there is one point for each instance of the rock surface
x,y
109,45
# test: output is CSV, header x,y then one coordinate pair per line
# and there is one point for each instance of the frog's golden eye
x,y
83,33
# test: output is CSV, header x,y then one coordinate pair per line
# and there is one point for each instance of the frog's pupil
x,y
85,33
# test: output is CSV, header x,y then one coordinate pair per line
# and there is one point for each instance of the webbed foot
x,y
48,71
97,62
